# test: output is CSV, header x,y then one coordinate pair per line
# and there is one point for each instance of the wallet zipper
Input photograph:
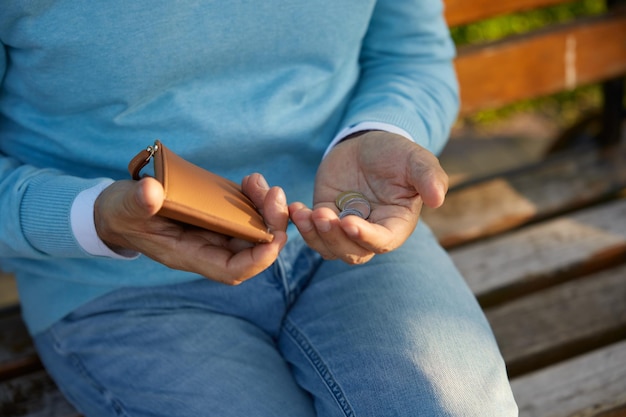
x,y
142,159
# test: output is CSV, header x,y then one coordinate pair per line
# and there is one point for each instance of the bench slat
x,y
569,55
561,322
563,336
34,395
8,291
17,353
541,255
511,200
586,386
460,12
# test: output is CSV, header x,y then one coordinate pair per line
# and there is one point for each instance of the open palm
x,y
396,176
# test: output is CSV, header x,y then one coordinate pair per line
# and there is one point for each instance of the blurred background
x,y
512,136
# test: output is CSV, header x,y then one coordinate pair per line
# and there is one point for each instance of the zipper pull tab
x,y
141,160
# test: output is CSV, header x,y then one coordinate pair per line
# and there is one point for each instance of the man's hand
x,y
125,217
396,175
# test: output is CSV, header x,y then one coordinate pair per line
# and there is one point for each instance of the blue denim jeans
x,y
399,336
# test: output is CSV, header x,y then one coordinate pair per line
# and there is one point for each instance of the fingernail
x,y
262,183
140,195
282,197
352,231
323,225
442,188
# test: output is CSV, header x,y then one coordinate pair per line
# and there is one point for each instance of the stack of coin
x,y
353,203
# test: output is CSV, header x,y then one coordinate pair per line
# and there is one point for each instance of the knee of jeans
x,y
458,367
474,384
436,379
445,392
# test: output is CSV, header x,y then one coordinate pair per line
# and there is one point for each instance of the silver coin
x,y
347,196
351,212
359,204
353,203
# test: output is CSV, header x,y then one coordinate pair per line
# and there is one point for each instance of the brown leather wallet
x,y
201,198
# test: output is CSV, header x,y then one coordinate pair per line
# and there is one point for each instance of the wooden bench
x,y
543,247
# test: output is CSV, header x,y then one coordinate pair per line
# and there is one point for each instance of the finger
x,y
330,233
274,209
433,188
144,199
220,263
270,202
263,255
241,266
124,206
429,179
130,206
377,238
255,187
387,228
301,216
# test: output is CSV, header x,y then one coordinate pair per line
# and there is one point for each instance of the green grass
x,y
518,23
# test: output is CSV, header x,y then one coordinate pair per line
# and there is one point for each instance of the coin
x,y
347,196
353,203
350,212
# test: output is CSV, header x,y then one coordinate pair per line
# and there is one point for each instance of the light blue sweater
x,y
237,87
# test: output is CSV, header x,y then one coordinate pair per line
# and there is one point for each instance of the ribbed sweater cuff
x,y
45,214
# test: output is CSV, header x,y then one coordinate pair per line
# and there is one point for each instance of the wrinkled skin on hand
x,y
125,217
395,174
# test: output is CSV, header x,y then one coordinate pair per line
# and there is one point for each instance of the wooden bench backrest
x,y
461,12
557,58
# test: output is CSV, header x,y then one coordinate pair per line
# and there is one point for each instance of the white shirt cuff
x,y
366,126
84,227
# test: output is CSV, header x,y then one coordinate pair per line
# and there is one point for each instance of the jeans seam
x,y
280,273
320,367
78,364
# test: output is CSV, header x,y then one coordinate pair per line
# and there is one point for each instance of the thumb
x,y
144,199
429,178
433,189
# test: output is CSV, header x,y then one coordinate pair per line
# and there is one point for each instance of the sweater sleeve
x,y
407,74
35,206
36,211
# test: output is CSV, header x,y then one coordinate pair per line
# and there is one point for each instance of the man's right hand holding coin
x,y
395,175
